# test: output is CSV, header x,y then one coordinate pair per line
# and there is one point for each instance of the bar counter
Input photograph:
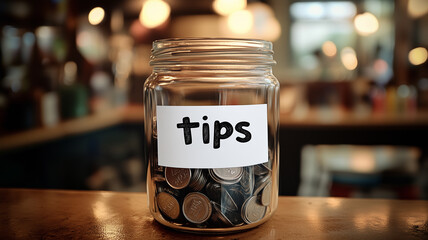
x,y
64,214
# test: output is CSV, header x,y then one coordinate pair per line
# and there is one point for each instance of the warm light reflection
x,y
366,23
96,16
418,56
100,210
226,7
240,22
110,227
314,218
334,202
417,8
349,58
329,48
374,220
363,161
154,13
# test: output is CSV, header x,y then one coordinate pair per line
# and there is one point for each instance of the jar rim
x,y
231,42
211,51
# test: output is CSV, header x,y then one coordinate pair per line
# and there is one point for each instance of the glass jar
x,y
212,128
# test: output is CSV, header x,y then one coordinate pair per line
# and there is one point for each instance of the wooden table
x,y
55,214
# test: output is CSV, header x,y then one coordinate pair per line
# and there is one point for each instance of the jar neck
x,y
212,54
256,69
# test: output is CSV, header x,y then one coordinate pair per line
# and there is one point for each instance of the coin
x,y
196,207
219,217
198,180
213,190
251,211
237,194
265,195
247,181
178,178
164,187
261,182
168,205
226,175
261,169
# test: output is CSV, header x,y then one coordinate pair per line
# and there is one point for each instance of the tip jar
x,y
211,134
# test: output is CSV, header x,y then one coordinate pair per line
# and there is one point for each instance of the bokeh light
x,y
240,22
418,56
154,13
366,23
349,58
96,16
226,7
329,48
417,8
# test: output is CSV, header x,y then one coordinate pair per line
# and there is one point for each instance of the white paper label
x,y
212,136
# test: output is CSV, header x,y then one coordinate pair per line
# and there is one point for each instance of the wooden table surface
x,y
59,214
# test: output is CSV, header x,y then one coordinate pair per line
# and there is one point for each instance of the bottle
x,y
22,82
211,130
74,91
48,68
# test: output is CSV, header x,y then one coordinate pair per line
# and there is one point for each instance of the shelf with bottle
x,y
121,115
335,105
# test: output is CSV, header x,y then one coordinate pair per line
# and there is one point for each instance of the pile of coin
x,y
219,197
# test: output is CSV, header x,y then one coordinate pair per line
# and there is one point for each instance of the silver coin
x,y
178,178
226,175
196,208
225,217
219,217
265,195
213,190
168,205
261,182
247,181
261,169
251,211
198,180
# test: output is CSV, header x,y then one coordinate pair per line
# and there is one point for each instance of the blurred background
x,y
353,74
